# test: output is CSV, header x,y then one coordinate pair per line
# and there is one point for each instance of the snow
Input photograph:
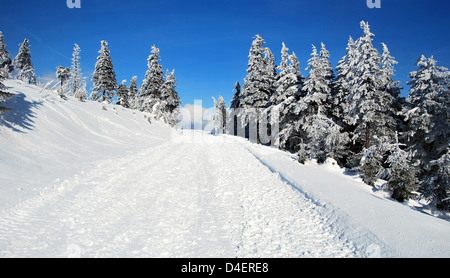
x,y
85,179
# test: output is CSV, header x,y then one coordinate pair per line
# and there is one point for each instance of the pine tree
x,y
150,91
370,109
288,79
371,164
23,67
4,94
77,81
428,135
271,72
220,116
5,60
317,85
391,88
234,106
122,95
285,103
257,88
342,85
133,97
104,76
235,101
402,176
63,75
322,136
170,100
282,82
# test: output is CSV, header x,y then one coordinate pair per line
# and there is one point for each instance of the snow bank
x,y
44,139
389,228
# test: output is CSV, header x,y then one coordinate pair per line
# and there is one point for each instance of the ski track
x,y
178,199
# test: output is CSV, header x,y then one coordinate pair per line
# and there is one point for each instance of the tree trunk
x,y
367,135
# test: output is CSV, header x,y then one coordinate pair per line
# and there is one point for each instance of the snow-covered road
x,y
201,197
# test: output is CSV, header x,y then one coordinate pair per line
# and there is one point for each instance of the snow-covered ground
x,y
93,180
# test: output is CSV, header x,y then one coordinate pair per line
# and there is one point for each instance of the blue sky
x,y
207,42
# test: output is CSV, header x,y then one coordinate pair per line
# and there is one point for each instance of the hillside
x,y
84,179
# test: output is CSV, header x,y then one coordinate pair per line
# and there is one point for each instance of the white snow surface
x,y
83,179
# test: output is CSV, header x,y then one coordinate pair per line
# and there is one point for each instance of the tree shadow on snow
x,y
20,116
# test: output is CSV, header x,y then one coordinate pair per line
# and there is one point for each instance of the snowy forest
x,y
156,95
353,113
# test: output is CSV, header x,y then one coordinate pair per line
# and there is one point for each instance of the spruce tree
x,y
402,175
370,113
235,101
220,116
133,91
150,91
342,85
77,81
23,67
5,60
428,135
392,89
370,106
234,106
170,100
104,76
63,75
322,136
257,88
122,95
285,104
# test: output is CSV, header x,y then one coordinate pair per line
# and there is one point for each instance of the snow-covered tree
x,y
391,88
325,139
371,166
133,91
63,75
170,100
23,67
77,81
5,60
104,76
150,91
322,136
370,106
220,115
4,94
402,175
427,118
342,84
289,77
285,104
235,101
317,86
234,106
271,70
257,88
437,186
122,95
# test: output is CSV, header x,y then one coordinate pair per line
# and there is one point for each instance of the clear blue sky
x,y
207,42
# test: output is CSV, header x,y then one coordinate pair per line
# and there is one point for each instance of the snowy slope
x,y
80,180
